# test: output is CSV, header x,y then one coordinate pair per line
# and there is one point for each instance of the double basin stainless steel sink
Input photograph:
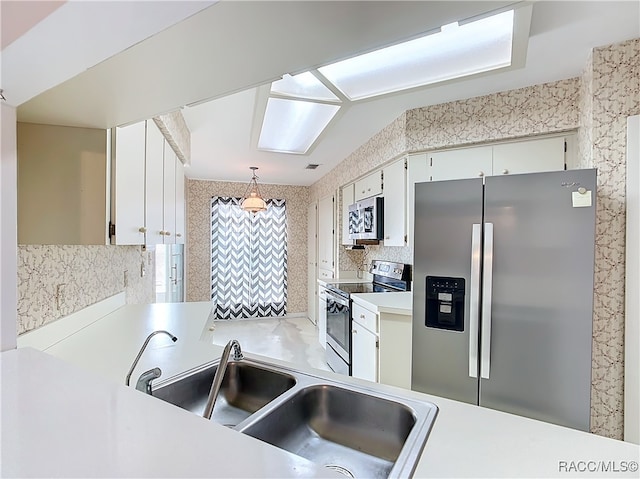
x,y
351,429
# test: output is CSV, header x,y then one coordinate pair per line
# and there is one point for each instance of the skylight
x,y
300,107
292,126
304,85
454,52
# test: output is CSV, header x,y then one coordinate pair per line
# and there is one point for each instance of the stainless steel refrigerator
x,y
503,293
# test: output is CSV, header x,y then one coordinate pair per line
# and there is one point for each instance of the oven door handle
x,y
337,299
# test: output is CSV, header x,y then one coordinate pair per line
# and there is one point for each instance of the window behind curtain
x,y
248,259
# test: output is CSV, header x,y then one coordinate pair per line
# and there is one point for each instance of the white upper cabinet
x,y
169,203
148,193
180,203
370,185
417,172
127,184
154,197
348,198
528,156
462,163
531,156
395,187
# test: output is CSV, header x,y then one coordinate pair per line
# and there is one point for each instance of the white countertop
x,y
323,282
393,303
60,421
82,425
109,346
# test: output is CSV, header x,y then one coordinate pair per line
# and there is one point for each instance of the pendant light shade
x,y
253,201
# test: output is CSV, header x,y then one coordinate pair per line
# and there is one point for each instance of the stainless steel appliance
x,y
366,219
503,293
387,276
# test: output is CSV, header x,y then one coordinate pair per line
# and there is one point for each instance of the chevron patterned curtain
x,y
248,259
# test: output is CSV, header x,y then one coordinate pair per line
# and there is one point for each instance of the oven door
x,y
338,333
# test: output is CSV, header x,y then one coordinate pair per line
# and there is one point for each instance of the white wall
x,y
8,228
632,314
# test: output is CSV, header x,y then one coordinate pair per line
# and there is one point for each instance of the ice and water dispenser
x,y
445,303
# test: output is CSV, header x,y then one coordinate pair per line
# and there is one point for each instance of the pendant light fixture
x,y
253,201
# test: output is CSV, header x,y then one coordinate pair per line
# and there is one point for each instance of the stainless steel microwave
x,y
366,219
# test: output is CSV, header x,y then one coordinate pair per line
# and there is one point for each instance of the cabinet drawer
x,y
366,318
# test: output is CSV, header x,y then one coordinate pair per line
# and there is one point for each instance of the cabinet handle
x,y
505,172
354,331
179,235
161,233
363,191
362,316
167,233
481,173
142,229
387,237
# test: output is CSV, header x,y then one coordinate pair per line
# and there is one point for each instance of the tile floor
x,y
288,339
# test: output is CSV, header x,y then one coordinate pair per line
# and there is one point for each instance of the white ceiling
x,y
229,48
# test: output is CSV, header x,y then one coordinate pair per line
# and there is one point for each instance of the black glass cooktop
x,y
351,288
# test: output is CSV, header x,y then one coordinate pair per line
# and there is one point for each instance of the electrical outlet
x,y
126,278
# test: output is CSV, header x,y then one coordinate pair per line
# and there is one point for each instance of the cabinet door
x,y
394,203
370,185
460,164
180,203
169,199
348,198
312,275
417,172
154,185
322,316
127,184
531,156
365,353
326,233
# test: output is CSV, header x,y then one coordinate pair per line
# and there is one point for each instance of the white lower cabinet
x,y
381,346
364,346
322,315
364,343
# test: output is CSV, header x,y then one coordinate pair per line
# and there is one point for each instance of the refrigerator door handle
x,y
487,286
474,299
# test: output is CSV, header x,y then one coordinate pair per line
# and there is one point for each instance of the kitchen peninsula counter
x,y
80,419
389,302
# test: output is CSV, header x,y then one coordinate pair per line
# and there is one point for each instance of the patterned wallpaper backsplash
x,y
596,105
83,275
198,250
